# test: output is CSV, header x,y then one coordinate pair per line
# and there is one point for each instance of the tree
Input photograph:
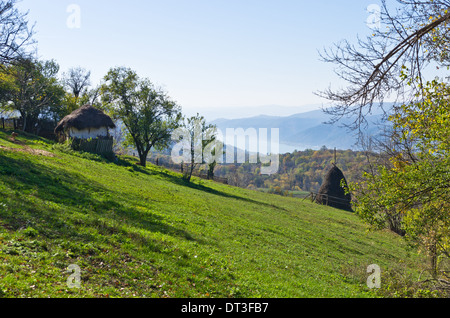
x,y
15,35
77,80
414,37
92,96
406,187
147,113
199,144
76,83
212,148
412,193
31,87
211,167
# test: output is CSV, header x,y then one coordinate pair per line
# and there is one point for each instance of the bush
x,y
30,232
396,282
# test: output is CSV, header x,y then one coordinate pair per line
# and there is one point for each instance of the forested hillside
x,y
299,173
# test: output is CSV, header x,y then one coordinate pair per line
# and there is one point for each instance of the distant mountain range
x,y
234,112
305,130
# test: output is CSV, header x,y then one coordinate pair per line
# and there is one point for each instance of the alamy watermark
x,y
207,146
374,19
374,279
74,19
74,280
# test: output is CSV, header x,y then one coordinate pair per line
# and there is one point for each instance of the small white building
x,y
88,133
88,127
84,123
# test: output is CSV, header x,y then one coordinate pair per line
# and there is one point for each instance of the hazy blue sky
x,y
207,54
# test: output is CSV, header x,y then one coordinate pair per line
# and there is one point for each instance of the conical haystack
x,y
85,117
331,192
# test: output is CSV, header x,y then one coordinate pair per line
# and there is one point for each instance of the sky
x,y
221,58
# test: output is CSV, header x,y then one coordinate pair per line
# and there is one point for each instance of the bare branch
x,y
412,39
15,35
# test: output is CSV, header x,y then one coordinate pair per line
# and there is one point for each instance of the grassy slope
x,y
147,233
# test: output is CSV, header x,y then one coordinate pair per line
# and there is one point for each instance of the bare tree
x,y
390,63
15,35
77,80
199,135
406,185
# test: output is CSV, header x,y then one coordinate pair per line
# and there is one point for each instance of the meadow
x,y
146,232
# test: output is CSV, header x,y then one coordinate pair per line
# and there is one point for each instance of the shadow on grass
x,y
126,161
23,138
179,180
46,198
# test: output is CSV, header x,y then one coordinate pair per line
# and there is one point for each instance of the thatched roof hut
x,y
85,122
331,192
88,129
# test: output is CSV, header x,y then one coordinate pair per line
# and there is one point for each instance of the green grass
x,y
145,232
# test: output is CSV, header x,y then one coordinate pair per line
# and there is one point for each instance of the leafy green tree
x,y
31,87
405,188
147,113
410,195
212,148
200,145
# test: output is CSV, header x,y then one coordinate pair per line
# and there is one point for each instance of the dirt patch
x,y
36,152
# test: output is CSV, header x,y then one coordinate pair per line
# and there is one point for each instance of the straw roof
x,y
331,192
85,117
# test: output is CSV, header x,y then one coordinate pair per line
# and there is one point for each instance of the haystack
x,y
331,192
85,122
88,129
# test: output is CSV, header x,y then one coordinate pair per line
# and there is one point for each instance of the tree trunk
x,y
211,167
143,158
433,259
189,174
24,123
